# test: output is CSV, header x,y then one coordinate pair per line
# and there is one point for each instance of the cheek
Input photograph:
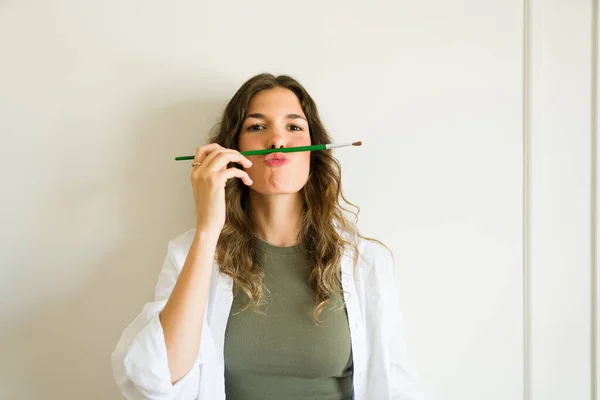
x,y
304,141
246,143
303,157
306,160
304,165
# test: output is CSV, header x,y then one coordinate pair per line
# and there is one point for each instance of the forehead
x,y
275,101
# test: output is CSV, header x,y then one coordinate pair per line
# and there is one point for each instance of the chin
x,y
273,190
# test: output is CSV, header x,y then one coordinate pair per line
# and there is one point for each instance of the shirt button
x,y
356,325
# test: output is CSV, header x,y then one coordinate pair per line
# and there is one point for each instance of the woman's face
x,y
275,120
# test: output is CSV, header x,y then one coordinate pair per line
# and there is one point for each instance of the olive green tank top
x,y
283,354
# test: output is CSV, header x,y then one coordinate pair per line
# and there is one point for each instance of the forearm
x,y
183,315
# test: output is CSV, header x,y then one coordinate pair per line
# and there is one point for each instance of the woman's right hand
x,y
208,181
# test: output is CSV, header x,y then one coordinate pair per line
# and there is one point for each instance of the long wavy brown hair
x,y
326,230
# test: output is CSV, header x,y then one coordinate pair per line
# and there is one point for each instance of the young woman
x,y
274,294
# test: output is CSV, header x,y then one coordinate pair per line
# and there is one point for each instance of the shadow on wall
x,y
61,350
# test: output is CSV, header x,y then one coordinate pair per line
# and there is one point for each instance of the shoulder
x,y
375,264
375,255
375,271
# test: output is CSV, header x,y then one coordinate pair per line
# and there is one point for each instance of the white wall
x,y
561,227
477,170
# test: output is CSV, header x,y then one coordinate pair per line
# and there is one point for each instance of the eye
x,y
295,128
256,127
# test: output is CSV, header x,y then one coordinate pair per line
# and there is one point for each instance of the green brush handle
x,y
267,151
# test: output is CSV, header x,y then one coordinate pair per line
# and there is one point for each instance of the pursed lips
x,y
276,159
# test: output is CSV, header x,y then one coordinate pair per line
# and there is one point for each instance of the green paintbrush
x,y
285,150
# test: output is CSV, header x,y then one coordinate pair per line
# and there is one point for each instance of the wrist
x,y
206,237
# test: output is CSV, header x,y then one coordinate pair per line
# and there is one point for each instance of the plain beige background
x,y
476,118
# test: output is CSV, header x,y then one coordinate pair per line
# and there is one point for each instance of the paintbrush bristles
x,y
357,144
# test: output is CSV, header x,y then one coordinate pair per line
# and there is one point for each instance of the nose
x,y
276,140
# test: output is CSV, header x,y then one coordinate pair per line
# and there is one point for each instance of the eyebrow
x,y
262,116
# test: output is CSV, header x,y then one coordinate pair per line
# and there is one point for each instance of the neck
x,y
276,218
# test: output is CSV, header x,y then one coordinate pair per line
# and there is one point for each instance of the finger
x,y
203,151
210,156
235,173
218,159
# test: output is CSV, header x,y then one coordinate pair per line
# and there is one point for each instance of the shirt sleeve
x,y
405,379
139,361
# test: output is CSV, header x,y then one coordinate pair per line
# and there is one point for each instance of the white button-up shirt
x,y
382,368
